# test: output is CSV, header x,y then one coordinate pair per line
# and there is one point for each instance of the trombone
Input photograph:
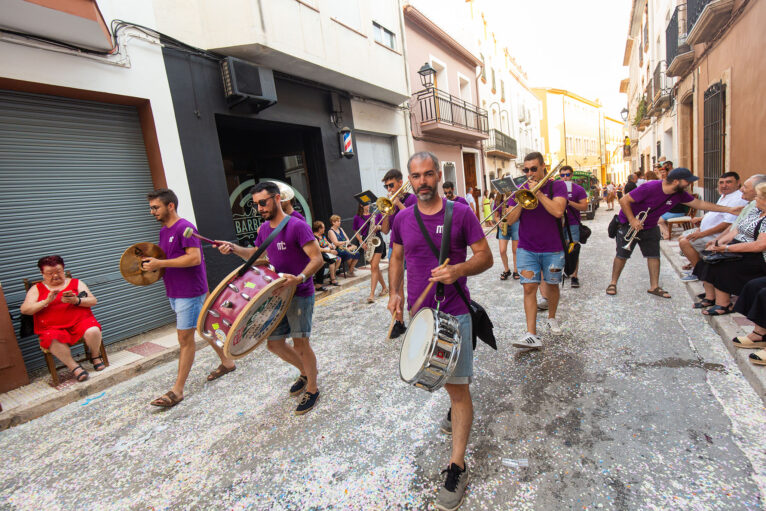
x,y
632,234
385,205
526,198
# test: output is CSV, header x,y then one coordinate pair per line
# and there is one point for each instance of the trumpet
x,y
632,234
386,206
526,198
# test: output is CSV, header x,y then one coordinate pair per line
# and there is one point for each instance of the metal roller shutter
x,y
74,178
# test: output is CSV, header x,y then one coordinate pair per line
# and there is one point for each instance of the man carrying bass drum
x,y
410,246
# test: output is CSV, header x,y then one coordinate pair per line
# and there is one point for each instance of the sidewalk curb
x,y
725,326
99,382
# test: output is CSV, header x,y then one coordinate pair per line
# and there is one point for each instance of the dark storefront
x,y
226,150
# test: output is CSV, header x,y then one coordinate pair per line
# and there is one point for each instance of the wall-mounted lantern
x,y
427,74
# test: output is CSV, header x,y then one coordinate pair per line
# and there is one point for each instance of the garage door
x,y
376,157
74,178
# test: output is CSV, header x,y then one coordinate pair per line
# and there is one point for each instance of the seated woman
x,y
752,304
726,278
62,315
362,216
329,254
338,237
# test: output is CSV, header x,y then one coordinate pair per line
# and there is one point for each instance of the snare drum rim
x,y
211,297
418,380
235,326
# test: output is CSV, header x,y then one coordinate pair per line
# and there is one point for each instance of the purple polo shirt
x,y
650,195
186,282
577,194
420,260
538,231
286,250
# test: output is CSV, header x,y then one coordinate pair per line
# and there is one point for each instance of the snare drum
x,y
242,312
430,349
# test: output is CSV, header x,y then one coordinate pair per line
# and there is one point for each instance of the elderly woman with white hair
x,y
743,259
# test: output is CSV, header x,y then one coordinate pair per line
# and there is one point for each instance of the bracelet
x,y
79,300
302,276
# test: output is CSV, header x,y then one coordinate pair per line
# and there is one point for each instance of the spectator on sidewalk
x,y
640,177
631,184
728,277
693,241
470,200
329,253
61,307
339,239
752,304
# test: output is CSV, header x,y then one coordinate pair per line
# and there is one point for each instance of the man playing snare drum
x,y
295,253
410,246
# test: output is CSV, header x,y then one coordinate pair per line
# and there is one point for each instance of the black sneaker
x,y
398,329
299,385
575,282
307,402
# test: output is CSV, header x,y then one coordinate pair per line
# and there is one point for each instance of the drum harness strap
x,y
441,255
264,245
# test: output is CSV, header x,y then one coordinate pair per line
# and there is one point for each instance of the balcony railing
x,y
660,88
695,8
500,144
678,53
706,17
440,106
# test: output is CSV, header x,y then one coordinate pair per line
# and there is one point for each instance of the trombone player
x,y
540,254
640,211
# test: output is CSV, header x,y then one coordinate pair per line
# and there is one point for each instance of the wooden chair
x,y
684,222
49,360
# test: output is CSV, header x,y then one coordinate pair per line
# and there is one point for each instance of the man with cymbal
x,y
186,287
410,246
294,252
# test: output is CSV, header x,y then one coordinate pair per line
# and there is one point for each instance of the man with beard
x,y
449,191
411,247
295,253
185,285
656,197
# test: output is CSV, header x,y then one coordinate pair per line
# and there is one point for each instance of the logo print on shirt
x,y
669,202
439,229
171,239
281,245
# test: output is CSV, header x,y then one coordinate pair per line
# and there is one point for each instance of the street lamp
x,y
427,73
624,114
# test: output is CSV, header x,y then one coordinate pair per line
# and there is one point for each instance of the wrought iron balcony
x,y
660,97
678,53
500,144
442,114
706,17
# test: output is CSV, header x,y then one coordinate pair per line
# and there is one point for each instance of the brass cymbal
x,y
130,264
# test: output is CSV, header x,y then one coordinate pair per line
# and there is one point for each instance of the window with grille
x,y
714,135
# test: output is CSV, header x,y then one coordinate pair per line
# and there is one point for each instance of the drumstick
x,y
189,232
422,296
391,325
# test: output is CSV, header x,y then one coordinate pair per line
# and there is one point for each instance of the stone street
x,y
637,406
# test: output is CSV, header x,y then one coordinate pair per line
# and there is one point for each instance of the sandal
x,y
748,343
704,304
82,375
505,275
383,293
370,300
100,366
658,291
516,275
611,289
717,310
219,371
334,283
320,289
167,400
758,358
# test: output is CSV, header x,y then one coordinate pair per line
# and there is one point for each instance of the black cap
x,y
682,173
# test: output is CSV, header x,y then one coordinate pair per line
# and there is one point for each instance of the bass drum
x,y
430,349
243,311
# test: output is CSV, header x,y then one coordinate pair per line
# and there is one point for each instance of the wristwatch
x,y
302,276
726,248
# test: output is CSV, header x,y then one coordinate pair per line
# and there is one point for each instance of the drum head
x,y
256,322
417,344
130,264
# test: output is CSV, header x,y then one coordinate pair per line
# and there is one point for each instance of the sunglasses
x,y
530,169
390,185
263,202
565,174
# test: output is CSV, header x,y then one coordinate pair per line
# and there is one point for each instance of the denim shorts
x,y
463,373
669,215
297,320
513,232
551,264
575,230
187,311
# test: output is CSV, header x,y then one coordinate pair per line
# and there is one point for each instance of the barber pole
x,y
346,144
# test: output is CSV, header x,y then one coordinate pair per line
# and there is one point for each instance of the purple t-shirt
x,y
538,231
286,250
359,221
420,260
186,282
297,215
577,194
650,195
461,200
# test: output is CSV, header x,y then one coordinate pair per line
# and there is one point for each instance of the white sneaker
x,y
553,324
542,305
529,341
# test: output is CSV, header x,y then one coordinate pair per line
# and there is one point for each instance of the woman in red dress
x,y
62,315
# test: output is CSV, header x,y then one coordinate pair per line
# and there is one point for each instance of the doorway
x,y
469,174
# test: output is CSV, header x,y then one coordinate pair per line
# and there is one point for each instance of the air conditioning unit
x,y
244,82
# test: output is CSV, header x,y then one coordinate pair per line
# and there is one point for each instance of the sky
x,y
577,45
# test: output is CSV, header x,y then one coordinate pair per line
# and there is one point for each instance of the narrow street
x,y
637,406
